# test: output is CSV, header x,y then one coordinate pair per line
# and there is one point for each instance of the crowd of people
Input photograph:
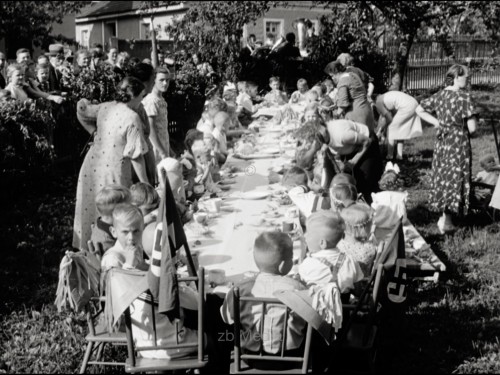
x,y
338,156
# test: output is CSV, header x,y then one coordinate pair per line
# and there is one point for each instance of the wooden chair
x,y
288,364
136,364
361,329
99,336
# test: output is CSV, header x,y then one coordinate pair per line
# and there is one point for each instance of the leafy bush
x,y
96,85
24,132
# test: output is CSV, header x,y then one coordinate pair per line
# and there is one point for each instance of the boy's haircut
x,y
325,229
191,136
14,68
295,176
343,195
111,194
486,160
251,84
274,79
162,70
217,104
358,219
301,82
144,195
220,119
327,81
312,94
343,179
270,249
127,213
242,86
22,50
39,67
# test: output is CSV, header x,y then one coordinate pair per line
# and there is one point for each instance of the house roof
x,y
102,8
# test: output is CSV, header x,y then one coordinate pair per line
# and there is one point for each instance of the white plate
x,y
270,151
254,195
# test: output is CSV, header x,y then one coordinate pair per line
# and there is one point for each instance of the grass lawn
x,y
451,326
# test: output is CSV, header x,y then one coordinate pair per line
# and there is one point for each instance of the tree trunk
x,y
154,54
398,82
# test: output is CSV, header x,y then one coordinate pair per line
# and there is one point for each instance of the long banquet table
x,y
226,243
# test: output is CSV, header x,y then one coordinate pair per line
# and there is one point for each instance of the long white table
x,y
228,245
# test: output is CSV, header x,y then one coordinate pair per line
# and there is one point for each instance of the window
x,y
273,26
111,28
315,27
84,38
145,30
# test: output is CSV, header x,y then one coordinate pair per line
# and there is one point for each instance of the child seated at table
x,y
343,191
311,113
106,200
205,165
245,108
275,97
194,138
326,263
146,198
172,168
128,226
312,96
212,107
299,96
358,240
273,255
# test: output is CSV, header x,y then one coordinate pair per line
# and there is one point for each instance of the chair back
x,y
301,362
199,280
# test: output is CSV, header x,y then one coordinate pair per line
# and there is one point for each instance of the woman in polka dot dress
x,y
451,163
119,145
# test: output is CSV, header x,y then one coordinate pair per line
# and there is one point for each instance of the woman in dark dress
x,y
451,111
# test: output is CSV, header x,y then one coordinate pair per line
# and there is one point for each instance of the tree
x,y
147,9
213,29
409,17
33,19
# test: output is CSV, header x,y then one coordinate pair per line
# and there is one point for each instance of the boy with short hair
x,y
127,228
275,97
273,254
326,262
245,108
299,96
146,198
106,200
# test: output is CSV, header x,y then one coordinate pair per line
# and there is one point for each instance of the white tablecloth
x,y
229,243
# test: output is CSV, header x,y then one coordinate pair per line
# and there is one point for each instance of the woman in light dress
x,y
119,145
397,116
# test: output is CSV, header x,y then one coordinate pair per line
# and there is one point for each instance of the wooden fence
x,y
429,61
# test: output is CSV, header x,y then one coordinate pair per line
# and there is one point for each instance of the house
x,y
122,20
106,20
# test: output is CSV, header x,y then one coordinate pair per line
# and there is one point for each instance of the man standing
x,y
56,58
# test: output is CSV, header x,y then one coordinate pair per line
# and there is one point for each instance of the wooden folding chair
x,y
99,335
361,329
137,364
289,364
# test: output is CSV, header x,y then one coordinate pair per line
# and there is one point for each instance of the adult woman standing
x,y
358,148
118,146
352,98
451,165
397,116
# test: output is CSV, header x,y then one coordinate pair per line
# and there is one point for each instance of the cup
x,y
214,205
200,217
216,277
288,226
